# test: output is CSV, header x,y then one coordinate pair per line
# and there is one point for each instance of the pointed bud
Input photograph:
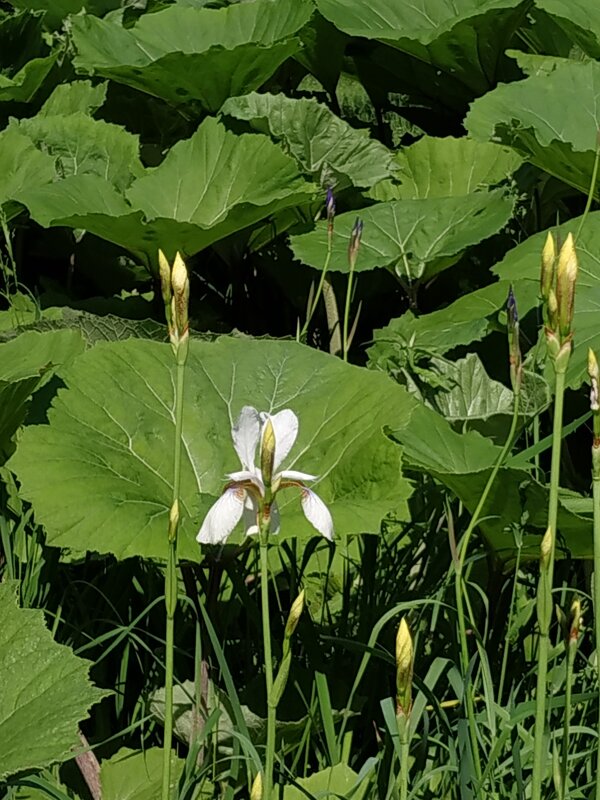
x,y
404,669
575,620
330,206
256,792
164,269
552,311
513,342
354,244
566,277
546,548
173,520
594,374
267,453
294,615
548,266
181,292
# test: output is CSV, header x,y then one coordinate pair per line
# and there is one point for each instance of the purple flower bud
x,y
354,243
330,205
511,307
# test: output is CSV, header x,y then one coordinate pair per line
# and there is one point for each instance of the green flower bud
x,y
294,615
548,266
267,453
566,277
404,668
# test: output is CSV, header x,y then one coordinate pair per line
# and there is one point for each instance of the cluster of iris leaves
x,y
352,190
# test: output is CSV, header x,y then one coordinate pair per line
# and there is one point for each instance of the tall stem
x,y
345,342
404,734
459,584
315,302
266,626
545,590
171,574
596,495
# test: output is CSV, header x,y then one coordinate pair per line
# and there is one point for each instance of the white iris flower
x,y
251,491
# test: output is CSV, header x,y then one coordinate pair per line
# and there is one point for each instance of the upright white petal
x,y
285,426
246,434
222,517
317,513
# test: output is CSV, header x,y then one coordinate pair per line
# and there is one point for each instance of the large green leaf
x,y
454,46
81,145
414,239
529,116
22,166
324,145
44,692
207,187
56,11
134,775
193,55
99,475
468,319
463,462
24,59
580,19
26,363
447,167
337,781
77,96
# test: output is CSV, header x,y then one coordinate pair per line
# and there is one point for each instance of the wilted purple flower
x,y
330,206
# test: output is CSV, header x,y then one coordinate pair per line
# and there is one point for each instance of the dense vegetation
x,y
329,269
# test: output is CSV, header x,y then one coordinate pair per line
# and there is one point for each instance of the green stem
x,y
266,626
171,575
571,650
545,590
319,289
590,197
459,585
345,343
596,495
509,624
404,734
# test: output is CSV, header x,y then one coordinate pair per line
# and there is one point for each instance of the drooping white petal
x,y
294,475
317,513
246,434
285,427
222,517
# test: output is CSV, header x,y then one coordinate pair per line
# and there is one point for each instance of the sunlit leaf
x,y
324,144
193,55
414,239
207,187
99,475
447,167
529,116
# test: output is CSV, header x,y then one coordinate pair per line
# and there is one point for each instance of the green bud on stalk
x,y
566,277
256,792
294,615
267,453
354,244
548,267
404,669
516,369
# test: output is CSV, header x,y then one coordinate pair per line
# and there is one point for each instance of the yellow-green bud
x,y
181,292
267,453
173,520
164,269
566,277
546,548
548,263
404,668
294,615
552,311
256,792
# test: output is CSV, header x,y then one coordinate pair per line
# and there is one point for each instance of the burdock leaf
x,y
44,692
108,443
193,56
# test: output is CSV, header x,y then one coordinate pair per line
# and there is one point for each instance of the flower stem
x,y
345,342
460,588
171,574
596,496
404,735
319,291
545,592
266,626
